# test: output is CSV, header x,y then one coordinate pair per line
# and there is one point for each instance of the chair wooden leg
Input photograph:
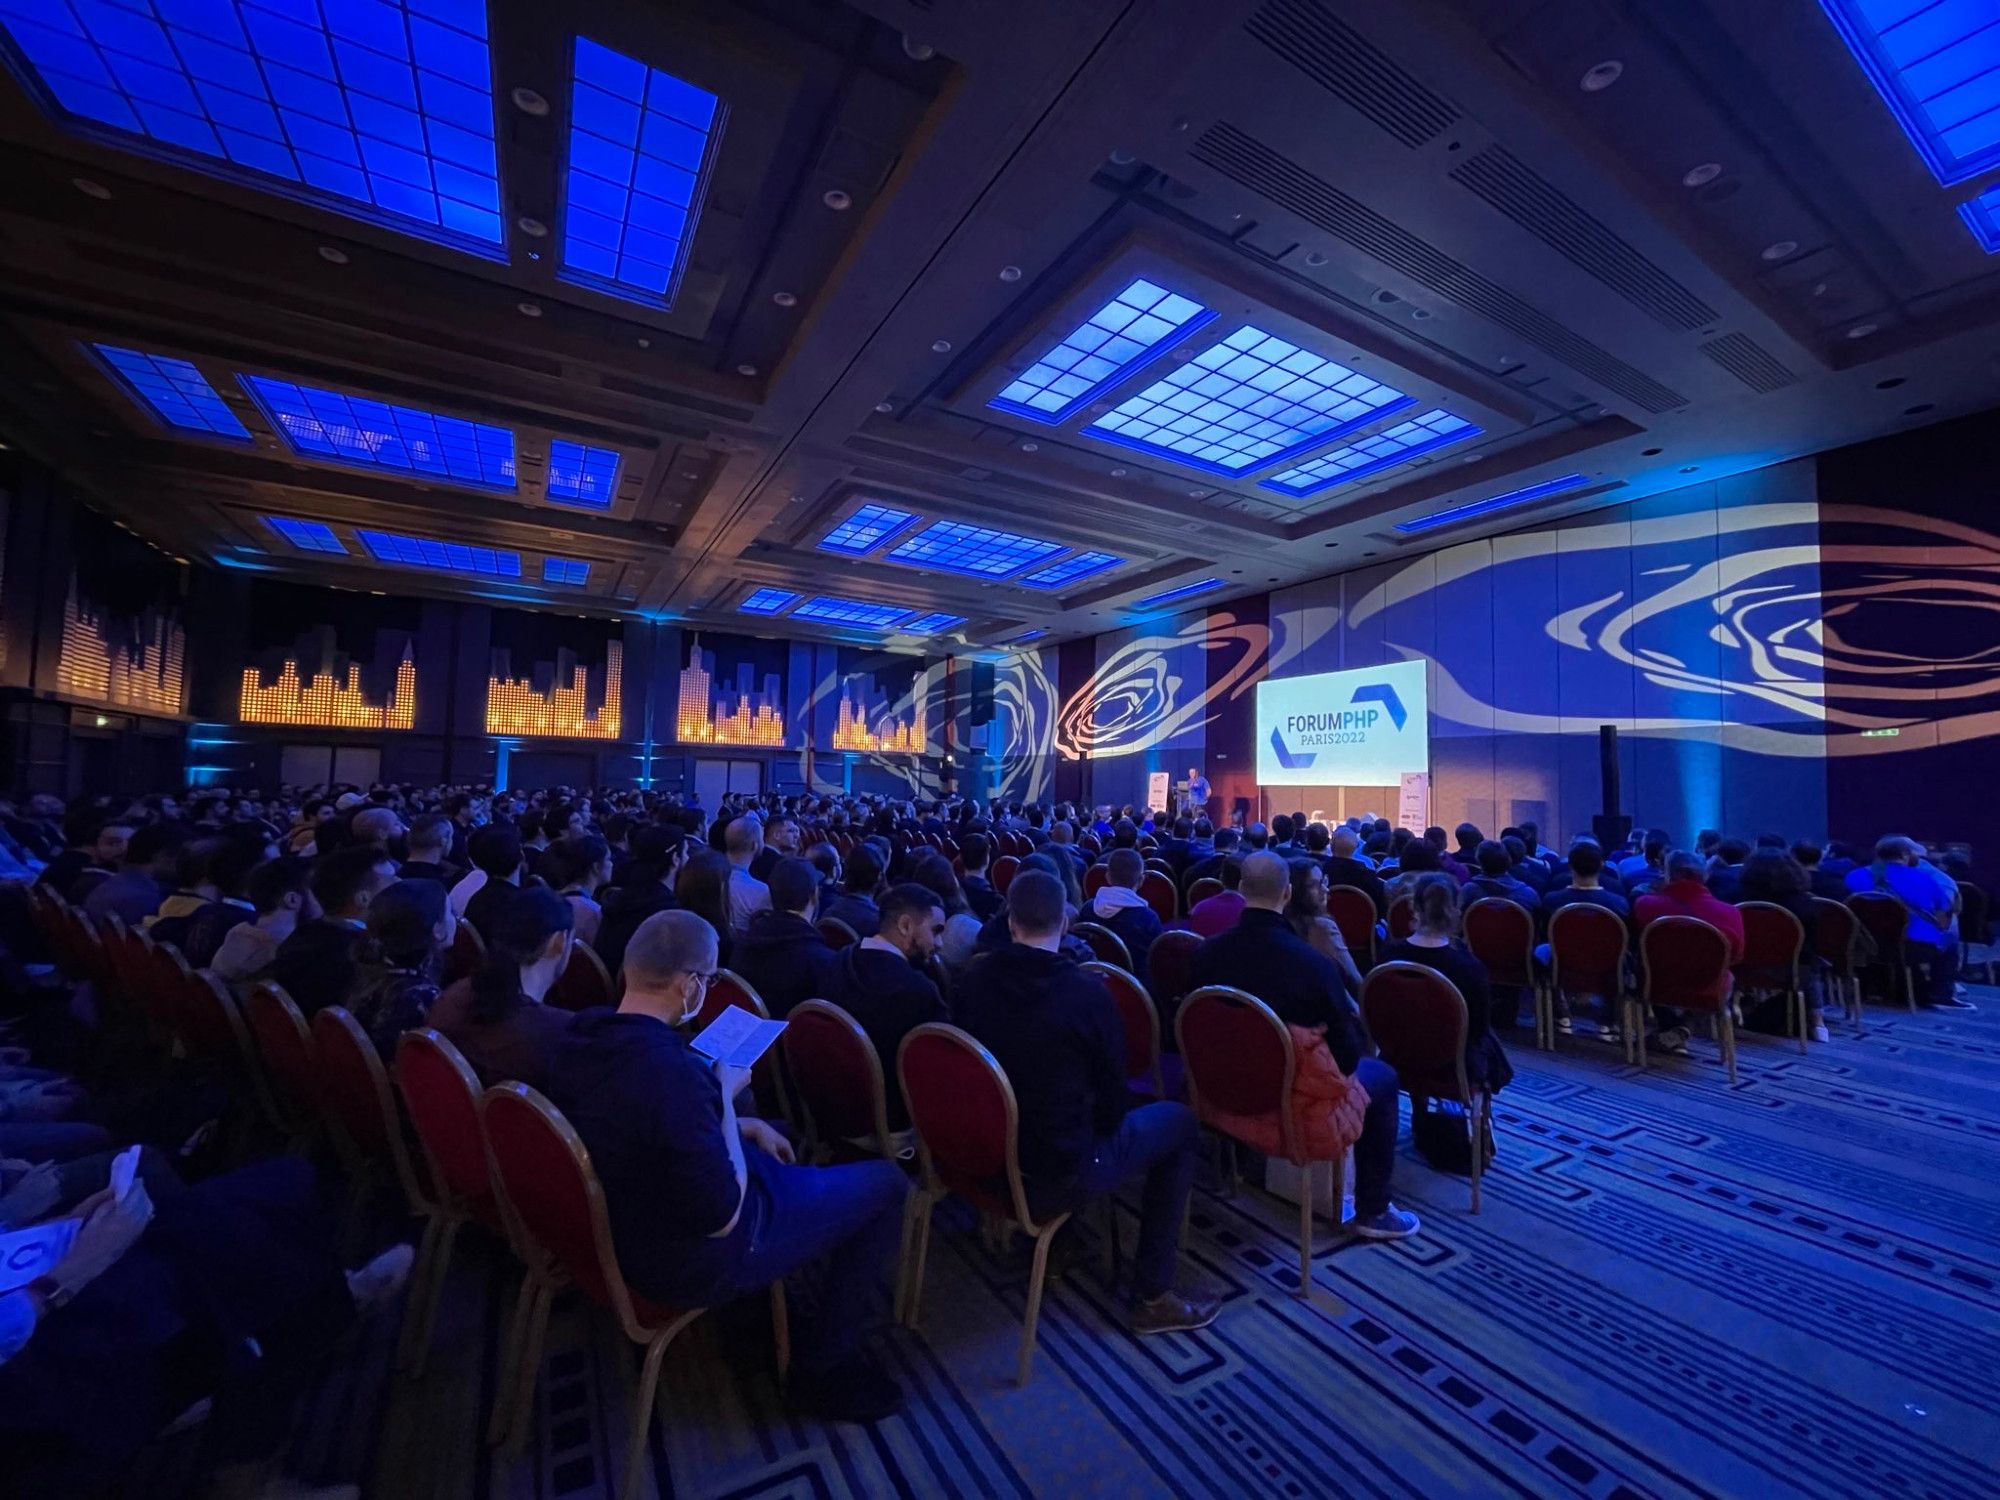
x,y
1337,1170
1805,1026
1910,987
642,1414
1854,1006
1725,1030
913,1302
1036,1278
530,1373
1306,1232
420,1279
1635,1033
1476,1119
900,1294
510,1360
781,1329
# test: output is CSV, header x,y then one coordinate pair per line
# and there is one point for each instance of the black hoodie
x,y
890,997
784,959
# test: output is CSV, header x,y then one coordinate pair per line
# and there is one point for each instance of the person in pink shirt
x,y
1685,893
1222,911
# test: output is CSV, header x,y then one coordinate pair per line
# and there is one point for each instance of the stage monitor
x,y
1360,728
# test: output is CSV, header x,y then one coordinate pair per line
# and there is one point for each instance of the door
x,y
711,783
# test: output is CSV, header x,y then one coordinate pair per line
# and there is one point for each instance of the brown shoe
x,y
1172,1313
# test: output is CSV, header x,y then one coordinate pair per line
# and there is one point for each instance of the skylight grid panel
x,y
174,391
440,557
374,434
1185,591
833,611
381,111
1072,570
1492,503
1982,217
766,601
1250,400
565,570
868,528
1130,331
582,476
1937,66
307,536
640,147
975,551
931,624
1372,454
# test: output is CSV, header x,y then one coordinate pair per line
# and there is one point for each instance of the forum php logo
x,y
1370,703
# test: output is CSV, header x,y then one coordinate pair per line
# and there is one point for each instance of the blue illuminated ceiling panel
x,y
831,611
1027,636
1132,329
931,624
376,435
1185,591
1474,508
307,536
174,391
582,476
440,557
1252,399
1982,217
378,109
565,570
767,601
1936,64
974,551
868,528
1072,570
1374,453
640,145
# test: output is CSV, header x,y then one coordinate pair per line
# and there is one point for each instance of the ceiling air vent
x,y
1350,67
1245,160
1750,362
1523,195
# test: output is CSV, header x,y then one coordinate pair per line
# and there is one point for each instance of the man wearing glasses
x,y
696,1218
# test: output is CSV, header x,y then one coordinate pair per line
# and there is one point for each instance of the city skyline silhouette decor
x,y
746,714
335,695
134,662
867,719
556,698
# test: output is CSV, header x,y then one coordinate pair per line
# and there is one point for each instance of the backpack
x,y
1439,1127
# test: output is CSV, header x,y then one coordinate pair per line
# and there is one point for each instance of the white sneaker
x,y
1819,1031
381,1279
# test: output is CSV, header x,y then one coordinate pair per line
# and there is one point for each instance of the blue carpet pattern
x,y
1676,1288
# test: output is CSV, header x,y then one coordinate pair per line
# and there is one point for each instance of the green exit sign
x,y
1880,734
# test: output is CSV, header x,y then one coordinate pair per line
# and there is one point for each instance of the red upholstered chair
x,y
1154,862
1106,944
1587,949
1240,1062
837,933
1146,843
1402,917
1170,965
1145,1069
552,1189
1686,964
1094,880
1090,844
1773,939
968,1138
441,1097
1885,918
1353,912
1501,935
215,1037
837,1078
585,983
467,956
1418,1020
167,986
285,1047
355,1097
1160,894
1202,889
1837,941
1002,871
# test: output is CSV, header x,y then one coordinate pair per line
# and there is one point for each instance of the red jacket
x,y
1690,898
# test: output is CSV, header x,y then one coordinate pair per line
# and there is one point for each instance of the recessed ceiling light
x,y
885,406
942,346
1690,468
1196,494
534,229
1600,77
1031,447
529,309
1420,312
917,51
91,189
528,102
746,369
836,200
1702,175
1891,383
1124,158
333,255
785,299
1862,330
1117,473
1315,257
1010,273
1651,452
1919,409
1781,249
1472,458
645,343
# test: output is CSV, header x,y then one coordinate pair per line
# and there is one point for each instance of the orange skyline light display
x,y
708,717
517,706
327,701
145,673
882,733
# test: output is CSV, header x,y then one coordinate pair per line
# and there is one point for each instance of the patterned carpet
x,y
1676,1288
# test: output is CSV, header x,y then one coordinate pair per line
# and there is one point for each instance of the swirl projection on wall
x,y
1140,696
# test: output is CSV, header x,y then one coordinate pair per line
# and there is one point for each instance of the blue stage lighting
x,y
931,624
582,476
1473,508
376,435
1072,570
1374,453
440,557
1131,330
1185,591
974,551
1936,64
307,536
174,391
766,601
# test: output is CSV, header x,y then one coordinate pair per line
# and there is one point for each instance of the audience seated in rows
x,y
497,1017
781,954
317,963
1119,906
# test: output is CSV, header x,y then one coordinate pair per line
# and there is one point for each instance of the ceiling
x,y
1584,249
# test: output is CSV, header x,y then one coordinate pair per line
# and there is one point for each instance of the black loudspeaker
x,y
1611,826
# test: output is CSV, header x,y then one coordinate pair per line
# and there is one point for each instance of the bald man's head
x,y
1266,881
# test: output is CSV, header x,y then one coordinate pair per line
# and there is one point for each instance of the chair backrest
x,y
1090,844
837,933
1835,929
1170,964
467,956
1106,944
168,978
725,990
1418,1020
1501,935
441,1094
1154,862
1353,912
212,1029
584,983
1001,872
1587,947
1885,917
286,1049
1973,907
1239,1057
835,1073
1402,917
1686,962
965,1115
1094,879
354,1092
1200,890
1773,939
1160,894
1138,1016
553,1193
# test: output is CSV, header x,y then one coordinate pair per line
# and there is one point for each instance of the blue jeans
x,y
850,1217
1158,1141
1375,1152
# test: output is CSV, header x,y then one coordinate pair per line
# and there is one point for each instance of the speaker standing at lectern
x,y
1197,789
